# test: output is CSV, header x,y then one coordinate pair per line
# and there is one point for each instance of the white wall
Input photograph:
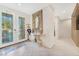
x,y
65,29
49,23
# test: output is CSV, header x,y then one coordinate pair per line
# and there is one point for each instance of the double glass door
x,y
7,34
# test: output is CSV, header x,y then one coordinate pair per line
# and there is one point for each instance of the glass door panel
x,y
7,28
22,27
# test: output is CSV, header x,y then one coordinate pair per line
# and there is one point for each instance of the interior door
x,y
7,28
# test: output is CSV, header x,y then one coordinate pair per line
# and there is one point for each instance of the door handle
x,y
14,29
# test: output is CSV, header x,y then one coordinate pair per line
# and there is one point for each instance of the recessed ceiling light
x,y
64,11
19,4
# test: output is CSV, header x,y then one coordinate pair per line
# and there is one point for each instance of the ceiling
x,y
28,8
62,10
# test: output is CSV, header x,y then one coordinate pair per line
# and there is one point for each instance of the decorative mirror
x,y
37,22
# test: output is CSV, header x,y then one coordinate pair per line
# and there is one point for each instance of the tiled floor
x,y
64,47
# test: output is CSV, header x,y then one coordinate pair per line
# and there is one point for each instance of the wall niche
x,y
75,25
